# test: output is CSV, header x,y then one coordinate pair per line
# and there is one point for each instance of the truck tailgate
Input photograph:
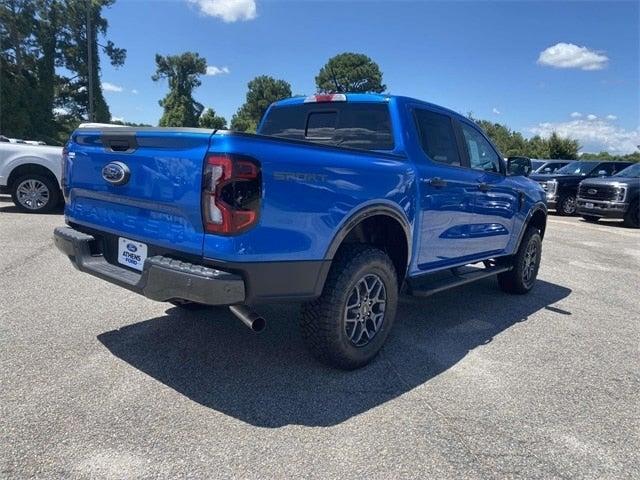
x,y
160,201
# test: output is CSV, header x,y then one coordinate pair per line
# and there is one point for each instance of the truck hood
x,y
635,181
558,178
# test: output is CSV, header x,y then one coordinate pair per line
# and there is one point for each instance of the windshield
x,y
577,168
630,171
536,164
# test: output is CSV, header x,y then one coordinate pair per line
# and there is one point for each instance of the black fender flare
x,y
538,207
362,214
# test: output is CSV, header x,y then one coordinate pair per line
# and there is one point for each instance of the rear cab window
x,y
365,126
437,137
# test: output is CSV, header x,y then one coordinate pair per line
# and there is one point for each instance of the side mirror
x,y
519,166
602,173
547,170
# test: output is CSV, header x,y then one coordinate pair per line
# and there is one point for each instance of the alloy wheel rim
x,y
365,310
569,205
530,263
32,194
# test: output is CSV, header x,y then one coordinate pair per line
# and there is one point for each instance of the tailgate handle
x,y
120,143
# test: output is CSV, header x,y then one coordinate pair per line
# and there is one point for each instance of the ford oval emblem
x,y
132,248
592,191
116,173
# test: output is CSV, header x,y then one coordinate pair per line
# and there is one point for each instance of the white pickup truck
x,y
31,175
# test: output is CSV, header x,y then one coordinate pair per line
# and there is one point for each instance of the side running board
x,y
429,284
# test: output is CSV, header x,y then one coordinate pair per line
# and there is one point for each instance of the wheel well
x,y
30,168
385,233
539,221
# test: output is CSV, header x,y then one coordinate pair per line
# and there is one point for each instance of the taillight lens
x,y
230,194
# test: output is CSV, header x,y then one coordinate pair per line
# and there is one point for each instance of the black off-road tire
x,y
590,218
516,280
51,185
632,217
563,205
322,321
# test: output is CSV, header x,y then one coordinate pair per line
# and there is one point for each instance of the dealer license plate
x,y
131,253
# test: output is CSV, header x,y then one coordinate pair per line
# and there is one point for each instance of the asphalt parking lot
x,y
98,382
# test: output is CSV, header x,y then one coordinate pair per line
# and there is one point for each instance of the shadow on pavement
x,y
11,208
607,222
269,380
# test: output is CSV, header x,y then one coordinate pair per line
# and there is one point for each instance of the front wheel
x,y
525,264
567,205
348,324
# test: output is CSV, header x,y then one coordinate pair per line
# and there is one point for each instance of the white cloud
x,y
496,111
117,119
576,115
227,10
110,87
212,70
134,91
594,135
568,55
611,117
591,116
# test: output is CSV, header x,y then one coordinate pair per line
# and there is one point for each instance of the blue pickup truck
x,y
339,202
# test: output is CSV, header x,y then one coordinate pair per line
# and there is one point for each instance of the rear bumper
x,y
602,208
162,278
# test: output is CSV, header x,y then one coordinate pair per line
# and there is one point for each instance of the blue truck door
x,y
446,189
496,200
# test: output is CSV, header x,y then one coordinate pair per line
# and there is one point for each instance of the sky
x,y
568,66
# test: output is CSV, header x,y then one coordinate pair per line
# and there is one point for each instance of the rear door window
x,y
355,125
437,137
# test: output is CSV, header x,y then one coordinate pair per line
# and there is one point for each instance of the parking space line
x,y
603,228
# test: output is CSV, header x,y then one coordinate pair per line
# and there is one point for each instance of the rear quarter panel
x,y
309,192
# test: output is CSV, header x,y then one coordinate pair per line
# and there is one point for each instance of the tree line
x,y
45,66
45,86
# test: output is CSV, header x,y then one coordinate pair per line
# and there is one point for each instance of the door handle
x,y
436,182
484,187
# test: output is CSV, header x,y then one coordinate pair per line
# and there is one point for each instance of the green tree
x,y
29,35
209,119
630,157
563,147
262,92
350,72
183,74
74,90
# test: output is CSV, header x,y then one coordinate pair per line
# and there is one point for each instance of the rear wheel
x,y
567,205
348,324
632,217
526,262
590,218
33,193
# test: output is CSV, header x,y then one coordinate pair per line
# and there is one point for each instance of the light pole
x,y
90,61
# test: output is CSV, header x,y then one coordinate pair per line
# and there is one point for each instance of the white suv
x,y
31,175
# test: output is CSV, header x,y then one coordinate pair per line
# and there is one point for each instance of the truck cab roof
x,y
363,98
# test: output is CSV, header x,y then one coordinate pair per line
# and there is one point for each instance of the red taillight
x,y
230,194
